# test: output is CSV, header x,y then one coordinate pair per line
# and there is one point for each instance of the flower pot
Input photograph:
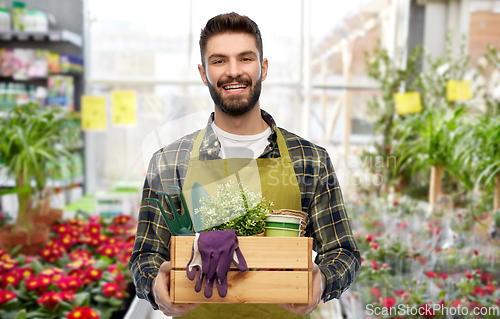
x,y
282,232
31,242
49,219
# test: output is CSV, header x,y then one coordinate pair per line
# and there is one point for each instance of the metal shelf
x,y
50,36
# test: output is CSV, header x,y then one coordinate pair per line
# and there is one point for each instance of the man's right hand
x,y
161,292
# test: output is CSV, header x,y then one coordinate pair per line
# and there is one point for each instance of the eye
x,y
247,59
218,61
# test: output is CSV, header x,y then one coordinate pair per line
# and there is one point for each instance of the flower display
x,y
427,266
81,272
83,313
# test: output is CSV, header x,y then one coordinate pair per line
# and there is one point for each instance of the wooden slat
x,y
247,287
259,252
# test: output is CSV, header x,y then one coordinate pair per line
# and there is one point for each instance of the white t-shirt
x,y
241,146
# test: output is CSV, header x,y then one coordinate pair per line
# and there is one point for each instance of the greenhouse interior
x,y
378,151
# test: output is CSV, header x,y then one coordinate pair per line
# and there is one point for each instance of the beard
x,y
236,105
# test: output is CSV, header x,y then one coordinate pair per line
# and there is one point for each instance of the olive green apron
x,y
273,177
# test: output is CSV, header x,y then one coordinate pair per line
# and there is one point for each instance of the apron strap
x,y
197,143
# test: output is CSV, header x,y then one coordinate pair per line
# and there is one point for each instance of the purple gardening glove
x,y
194,265
217,250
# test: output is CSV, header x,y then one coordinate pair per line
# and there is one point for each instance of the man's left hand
x,y
318,286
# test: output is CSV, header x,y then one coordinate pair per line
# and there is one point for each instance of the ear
x,y
265,67
203,75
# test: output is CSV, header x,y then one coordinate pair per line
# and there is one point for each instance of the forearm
x,y
144,267
339,267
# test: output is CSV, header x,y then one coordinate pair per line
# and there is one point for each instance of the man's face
x,y
233,72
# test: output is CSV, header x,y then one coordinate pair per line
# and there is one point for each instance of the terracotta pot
x,y
31,242
50,219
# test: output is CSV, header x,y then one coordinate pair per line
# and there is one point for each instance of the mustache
x,y
239,79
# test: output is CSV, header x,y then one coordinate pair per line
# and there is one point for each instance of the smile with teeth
x,y
235,87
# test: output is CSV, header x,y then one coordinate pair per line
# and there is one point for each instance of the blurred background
x,y
404,95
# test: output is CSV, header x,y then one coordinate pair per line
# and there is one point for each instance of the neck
x,y
250,123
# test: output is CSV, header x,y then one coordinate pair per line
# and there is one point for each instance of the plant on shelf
x,y
391,77
428,140
30,140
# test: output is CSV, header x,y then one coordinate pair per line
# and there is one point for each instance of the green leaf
x,y
37,266
115,302
101,299
21,314
82,299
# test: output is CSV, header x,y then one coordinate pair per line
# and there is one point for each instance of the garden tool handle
x,y
174,225
183,200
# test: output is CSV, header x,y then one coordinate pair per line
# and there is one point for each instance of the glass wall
x,y
152,48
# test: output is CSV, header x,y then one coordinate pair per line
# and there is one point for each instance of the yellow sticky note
x,y
93,112
458,90
409,102
124,107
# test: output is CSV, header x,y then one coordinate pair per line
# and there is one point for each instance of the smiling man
x,y
233,68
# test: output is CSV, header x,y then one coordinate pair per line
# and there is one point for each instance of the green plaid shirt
x,y
338,255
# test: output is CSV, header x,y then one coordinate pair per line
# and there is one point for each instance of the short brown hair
x,y
229,23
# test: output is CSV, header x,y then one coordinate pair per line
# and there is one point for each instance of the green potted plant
x,y
391,78
30,140
430,139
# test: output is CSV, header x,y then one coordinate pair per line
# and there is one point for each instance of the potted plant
x,y
430,139
30,136
392,77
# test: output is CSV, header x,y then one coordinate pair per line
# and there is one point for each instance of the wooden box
x,y
287,277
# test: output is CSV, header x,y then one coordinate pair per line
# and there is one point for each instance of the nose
x,y
233,69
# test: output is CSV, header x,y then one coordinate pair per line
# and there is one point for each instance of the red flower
x,y
469,276
78,254
369,238
54,274
113,268
478,291
477,271
66,296
69,283
456,303
476,252
6,295
94,229
108,250
426,311
444,276
374,264
474,304
400,293
24,272
384,266
376,292
490,289
388,302
431,274
39,285
93,274
83,313
404,224
395,203
61,229
486,278
10,278
374,246
121,219
110,289
49,300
